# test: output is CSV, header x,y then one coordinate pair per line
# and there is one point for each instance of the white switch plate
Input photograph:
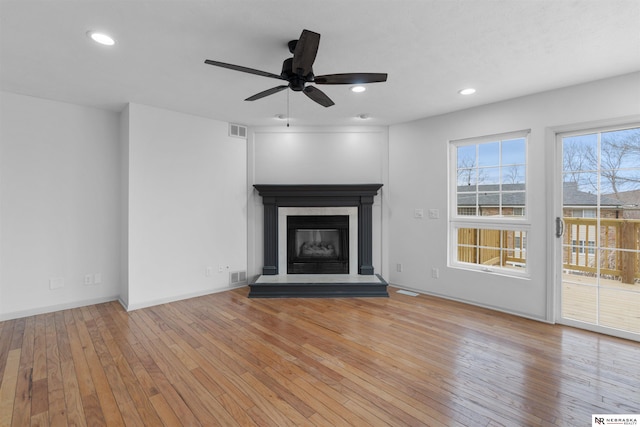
x,y
418,213
434,214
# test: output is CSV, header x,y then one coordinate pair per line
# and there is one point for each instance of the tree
x,y
617,162
468,173
513,175
620,160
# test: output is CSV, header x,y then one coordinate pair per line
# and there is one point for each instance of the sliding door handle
x,y
559,227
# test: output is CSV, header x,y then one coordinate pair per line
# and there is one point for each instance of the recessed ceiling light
x,y
363,116
358,89
101,38
280,117
467,91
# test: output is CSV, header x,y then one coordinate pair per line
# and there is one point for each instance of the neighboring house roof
x,y
631,198
574,197
513,195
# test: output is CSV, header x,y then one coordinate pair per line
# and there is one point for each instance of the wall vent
x,y
237,278
237,131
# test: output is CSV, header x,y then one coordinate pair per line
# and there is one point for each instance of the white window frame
x,y
511,223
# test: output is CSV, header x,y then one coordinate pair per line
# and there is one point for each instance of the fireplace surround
x,y
359,195
362,281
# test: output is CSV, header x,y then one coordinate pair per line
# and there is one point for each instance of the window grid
x,y
488,217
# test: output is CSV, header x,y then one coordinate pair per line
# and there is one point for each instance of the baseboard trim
x,y
151,303
487,306
57,307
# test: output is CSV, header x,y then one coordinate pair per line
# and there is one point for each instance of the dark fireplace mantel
x,y
318,195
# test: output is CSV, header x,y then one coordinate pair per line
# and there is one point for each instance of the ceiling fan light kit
x,y
297,71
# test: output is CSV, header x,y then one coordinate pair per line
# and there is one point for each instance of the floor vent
x,y
411,294
237,278
237,131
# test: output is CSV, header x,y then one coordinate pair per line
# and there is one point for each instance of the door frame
x,y
554,171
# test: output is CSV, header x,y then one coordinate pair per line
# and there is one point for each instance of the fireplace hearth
x,y
321,258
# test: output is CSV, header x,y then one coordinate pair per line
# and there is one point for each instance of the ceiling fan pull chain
x,y
287,108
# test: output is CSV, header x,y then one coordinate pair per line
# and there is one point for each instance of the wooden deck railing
x,y
492,247
614,247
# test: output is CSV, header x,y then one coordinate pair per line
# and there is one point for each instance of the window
x,y
584,213
467,211
578,246
488,214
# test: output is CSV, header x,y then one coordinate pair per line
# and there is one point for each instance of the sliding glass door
x,y
599,229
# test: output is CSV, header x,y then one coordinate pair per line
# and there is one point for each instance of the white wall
x,y
187,206
300,155
81,187
418,179
59,204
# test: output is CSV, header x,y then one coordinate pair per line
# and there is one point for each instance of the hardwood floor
x,y
224,359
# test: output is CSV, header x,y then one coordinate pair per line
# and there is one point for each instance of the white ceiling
x,y
429,48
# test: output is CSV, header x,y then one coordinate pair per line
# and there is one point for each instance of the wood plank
x,y
134,389
39,350
22,404
89,337
6,334
57,405
126,408
40,420
8,386
39,393
164,410
82,351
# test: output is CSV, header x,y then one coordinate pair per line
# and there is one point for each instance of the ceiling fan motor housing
x,y
296,80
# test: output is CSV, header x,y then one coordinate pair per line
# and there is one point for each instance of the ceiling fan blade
x,y
267,92
305,52
243,69
350,78
318,96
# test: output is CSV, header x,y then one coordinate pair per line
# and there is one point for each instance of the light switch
x,y
418,213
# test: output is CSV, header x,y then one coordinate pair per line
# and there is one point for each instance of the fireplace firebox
x,y
318,244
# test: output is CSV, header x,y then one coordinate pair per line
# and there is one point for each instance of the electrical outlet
x,y
88,279
418,213
434,214
435,273
97,279
220,268
399,268
208,271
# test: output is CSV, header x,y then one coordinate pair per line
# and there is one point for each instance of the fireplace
x,y
318,244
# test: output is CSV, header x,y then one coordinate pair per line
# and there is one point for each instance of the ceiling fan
x,y
298,71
